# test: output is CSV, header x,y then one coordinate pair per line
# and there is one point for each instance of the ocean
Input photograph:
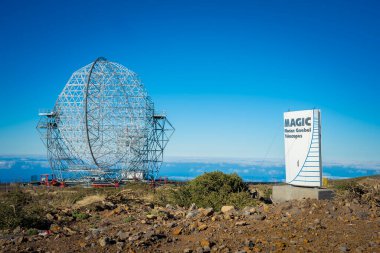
x,y
22,168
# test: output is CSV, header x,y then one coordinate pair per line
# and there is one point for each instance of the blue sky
x,y
224,71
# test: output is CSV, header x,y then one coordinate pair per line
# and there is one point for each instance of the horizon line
x,y
238,160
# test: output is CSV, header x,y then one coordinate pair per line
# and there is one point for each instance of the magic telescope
x,y
104,126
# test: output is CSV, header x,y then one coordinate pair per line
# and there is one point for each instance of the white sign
x,y
303,162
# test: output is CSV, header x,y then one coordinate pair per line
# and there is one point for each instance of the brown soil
x,y
126,223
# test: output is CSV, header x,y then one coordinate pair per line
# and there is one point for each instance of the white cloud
x,y
274,172
6,164
247,162
355,165
180,178
42,164
336,177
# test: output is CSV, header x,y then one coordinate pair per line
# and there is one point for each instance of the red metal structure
x,y
50,180
105,184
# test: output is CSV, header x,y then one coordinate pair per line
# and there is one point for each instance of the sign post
x,y
303,161
303,158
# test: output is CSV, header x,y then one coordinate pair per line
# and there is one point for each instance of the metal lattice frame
x,y
104,125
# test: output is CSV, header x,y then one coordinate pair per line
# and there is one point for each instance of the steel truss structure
x,y
104,127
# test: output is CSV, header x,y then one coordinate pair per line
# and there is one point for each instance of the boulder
x,y
192,214
192,207
95,232
120,209
248,210
109,205
177,231
202,227
17,230
207,211
134,238
83,244
199,250
69,231
104,241
149,205
205,243
122,236
265,208
151,216
206,249
258,217
170,207
228,216
49,216
120,245
227,209
214,218
55,228
241,223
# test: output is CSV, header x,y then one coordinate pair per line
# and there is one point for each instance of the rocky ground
x,y
122,221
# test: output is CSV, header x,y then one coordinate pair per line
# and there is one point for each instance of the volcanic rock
x,y
227,209
104,241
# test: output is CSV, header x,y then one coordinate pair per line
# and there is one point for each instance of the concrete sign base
x,y
283,193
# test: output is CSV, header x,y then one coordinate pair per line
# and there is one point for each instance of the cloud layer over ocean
x,y
21,168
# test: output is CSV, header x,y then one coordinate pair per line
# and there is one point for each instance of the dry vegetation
x,y
215,212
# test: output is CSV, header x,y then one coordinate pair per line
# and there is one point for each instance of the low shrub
x,y
80,216
129,219
32,231
349,190
213,189
17,208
